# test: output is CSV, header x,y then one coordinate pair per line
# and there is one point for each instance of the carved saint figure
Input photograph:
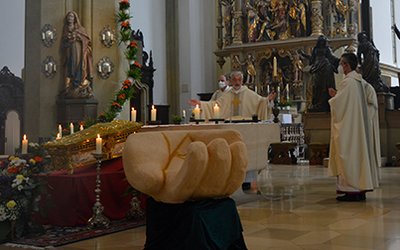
x,y
228,19
77,47
250,68
368,58
323,65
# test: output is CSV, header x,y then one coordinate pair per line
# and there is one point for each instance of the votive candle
x,y
99,144
153,116
24,149
196,112
133,115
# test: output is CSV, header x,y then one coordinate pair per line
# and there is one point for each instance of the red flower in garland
x,y
116,104
125,24
137,64
124,2
121,96
133,44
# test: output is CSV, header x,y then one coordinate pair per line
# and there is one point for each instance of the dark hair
x,y
351,59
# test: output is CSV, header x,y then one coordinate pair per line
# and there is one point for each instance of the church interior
x,y
110,137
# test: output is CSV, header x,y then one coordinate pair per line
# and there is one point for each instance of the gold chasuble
x,y
354,147
239,104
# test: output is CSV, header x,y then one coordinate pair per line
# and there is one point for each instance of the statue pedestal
x,y
76,110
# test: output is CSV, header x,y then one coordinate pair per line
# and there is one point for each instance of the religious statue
x,y
368,58
280,25
228,19
77,47
264,10
250,69
323,66
252,24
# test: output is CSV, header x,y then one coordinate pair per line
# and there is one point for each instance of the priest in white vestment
x,y
354,155
239,103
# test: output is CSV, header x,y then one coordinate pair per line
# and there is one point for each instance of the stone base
x,y
76,110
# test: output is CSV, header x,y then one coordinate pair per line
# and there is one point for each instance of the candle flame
x,y
98,135
24,136
152,107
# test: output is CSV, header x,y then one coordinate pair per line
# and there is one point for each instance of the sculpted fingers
x,y
238,169
182,177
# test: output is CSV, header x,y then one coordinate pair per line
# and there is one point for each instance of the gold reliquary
x,y
75,150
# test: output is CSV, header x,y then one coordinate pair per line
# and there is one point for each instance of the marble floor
x,y
298,211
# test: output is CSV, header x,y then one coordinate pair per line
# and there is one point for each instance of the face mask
x,y
340,70
221,84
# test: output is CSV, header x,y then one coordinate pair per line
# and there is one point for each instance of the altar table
x,y
256,136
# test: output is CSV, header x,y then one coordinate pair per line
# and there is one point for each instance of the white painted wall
x,y
12,29
197,43
149,17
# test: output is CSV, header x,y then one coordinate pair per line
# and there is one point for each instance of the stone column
x,y
316,18
238,23
86,19
219,25
172,41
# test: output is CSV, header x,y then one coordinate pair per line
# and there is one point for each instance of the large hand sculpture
x,y
175,166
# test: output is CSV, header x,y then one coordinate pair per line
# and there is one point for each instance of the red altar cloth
x,y
71,196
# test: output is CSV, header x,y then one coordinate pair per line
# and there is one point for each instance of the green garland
x,y
134,73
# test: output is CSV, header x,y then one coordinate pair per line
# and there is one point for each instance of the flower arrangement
x,y
20,189
133,74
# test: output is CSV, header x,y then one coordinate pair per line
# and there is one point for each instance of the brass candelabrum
x,y
98,219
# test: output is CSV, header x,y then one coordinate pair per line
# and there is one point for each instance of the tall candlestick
x,y
60,130
99,144
133,115
71,128
24,149
216,111
275,68
196,112
153,114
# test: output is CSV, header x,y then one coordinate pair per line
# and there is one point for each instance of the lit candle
x,y
267,89
99,144
71,128
133,115
153,114
216,111
60,130
81,127
196,112
275,69
279,94
287,91
58,136
24,149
